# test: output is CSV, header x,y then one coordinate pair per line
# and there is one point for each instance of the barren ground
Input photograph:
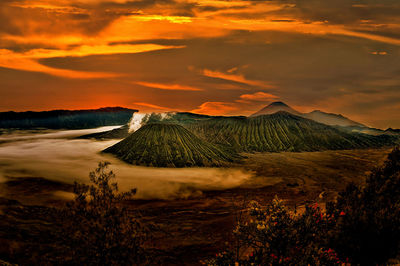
x,y
195,228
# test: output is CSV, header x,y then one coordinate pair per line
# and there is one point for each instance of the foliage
x,y
273,235
369,231
361,227
98,229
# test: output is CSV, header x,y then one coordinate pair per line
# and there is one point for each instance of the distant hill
x,y
332,119
169,145
316,115
282,131
66,119
276,107
391,131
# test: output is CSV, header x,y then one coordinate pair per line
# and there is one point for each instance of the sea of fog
x,y
59,156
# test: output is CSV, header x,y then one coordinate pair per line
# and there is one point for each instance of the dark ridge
x,y
392,131
66,119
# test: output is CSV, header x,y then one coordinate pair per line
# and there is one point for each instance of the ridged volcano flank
x,y
168,145
282,132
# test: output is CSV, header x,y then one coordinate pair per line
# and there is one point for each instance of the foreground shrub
x,y
97,228
369,232
272,235
361,227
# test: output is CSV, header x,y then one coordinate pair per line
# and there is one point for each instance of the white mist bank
x,y
57,157
17,135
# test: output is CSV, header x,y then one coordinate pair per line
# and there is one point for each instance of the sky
x,y
205,56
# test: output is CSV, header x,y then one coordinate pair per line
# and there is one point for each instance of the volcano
x,y
276,107
282,131
169,145
316,115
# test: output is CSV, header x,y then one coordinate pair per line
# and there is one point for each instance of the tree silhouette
x,y
98,229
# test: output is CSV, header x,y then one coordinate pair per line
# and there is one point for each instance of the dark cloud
x,y
15,20
346,11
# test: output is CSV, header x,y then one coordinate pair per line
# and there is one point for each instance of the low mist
x,y
58,156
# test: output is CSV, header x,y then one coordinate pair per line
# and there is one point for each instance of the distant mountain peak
x,y
278,103
274,108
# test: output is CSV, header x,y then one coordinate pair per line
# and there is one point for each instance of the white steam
x,y
136,121
139,119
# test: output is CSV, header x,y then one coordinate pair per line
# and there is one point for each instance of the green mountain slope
x,y
169,145
282,132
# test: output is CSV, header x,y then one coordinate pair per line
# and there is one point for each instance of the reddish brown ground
x,y
190,230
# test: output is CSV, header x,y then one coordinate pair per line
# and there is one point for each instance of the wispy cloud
x,y
258,96
175,87
239,78
192,54
152,107
215,108
87,50
14,61
27,61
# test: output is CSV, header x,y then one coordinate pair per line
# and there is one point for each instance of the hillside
x,y
282,132
332,119
391,131
169,145
67,119
316,115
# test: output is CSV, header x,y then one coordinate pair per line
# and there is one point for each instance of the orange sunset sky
x,y
205,56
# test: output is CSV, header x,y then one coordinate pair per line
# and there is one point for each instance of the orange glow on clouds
x,y
215,108
259,96
160,86
11,60
235,78
189,54
152,107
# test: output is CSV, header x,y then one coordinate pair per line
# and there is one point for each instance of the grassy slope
x,y
169,145
282,132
